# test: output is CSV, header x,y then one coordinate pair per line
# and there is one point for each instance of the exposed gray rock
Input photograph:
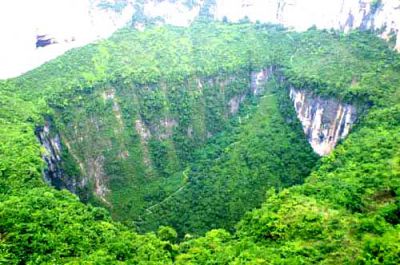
x,y
53,173
345,15
325,121
96,173
52,154
234,103
258,79
142,130
166,128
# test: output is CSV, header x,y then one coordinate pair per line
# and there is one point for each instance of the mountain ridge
x,y
103,17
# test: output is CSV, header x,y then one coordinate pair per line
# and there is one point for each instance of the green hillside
x,y
151,142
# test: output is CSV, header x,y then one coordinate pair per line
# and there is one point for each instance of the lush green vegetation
x,y
347,211
230,175
185,78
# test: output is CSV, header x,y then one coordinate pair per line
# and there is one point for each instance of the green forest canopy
x,y
347,211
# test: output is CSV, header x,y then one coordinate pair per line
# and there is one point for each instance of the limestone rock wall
x,y
381,15
325,121
53,173
73,23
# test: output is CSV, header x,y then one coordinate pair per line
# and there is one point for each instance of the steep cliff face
x,y
325,121
96,19
127,138
54,173
380,15
136,135
258,79
345,15
52,155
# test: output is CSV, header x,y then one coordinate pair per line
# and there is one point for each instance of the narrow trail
x,y
148,210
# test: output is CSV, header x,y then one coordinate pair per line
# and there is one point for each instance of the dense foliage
x,y
347,211
151,105
230,176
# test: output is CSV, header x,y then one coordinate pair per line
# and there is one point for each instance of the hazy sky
x,y
22,20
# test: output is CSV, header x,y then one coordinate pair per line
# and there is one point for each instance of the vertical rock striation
x,y
258,79
97,19
325,121
52,173
138,133
345,15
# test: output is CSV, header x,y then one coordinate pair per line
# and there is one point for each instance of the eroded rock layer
x,y
325,121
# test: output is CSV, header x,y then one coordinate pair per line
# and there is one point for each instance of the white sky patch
x,y
174,13
72,23
299,14
22,20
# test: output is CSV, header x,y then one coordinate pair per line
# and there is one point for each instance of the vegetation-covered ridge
x,y
347,211
151,116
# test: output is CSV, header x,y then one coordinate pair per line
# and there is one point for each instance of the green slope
x,y
347,212
265,148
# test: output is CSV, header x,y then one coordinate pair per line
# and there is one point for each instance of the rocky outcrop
x,y
52,155
177,13
96,19
325,121
123,137
345,15
53,173
234,103
258,79
97,175
106,144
